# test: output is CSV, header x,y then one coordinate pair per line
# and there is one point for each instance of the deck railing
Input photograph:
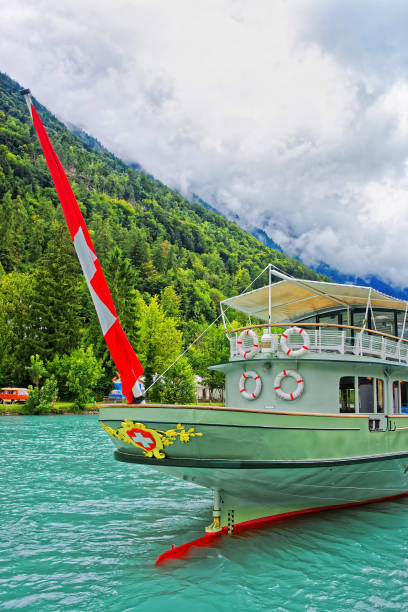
x,y
332,338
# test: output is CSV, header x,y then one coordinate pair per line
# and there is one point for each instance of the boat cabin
x,y
318,347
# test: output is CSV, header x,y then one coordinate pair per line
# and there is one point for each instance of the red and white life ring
x,y
258,385
255,343
298,391
295,352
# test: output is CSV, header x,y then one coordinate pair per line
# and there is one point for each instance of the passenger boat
x,y
316,395
316,413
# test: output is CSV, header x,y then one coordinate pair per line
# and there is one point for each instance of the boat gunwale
x,y
192,462
252,410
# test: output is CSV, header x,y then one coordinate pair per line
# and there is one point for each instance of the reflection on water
x,y
80,531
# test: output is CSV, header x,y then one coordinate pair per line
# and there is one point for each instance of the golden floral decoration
x,y
150,441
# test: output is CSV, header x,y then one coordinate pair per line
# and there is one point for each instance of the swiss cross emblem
x,y
142,438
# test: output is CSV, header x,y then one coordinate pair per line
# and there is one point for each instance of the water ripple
x,y
80,531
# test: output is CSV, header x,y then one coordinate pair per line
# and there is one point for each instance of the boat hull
x,y
267,465
249,492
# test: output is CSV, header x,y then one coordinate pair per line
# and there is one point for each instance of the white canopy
x,y
296,299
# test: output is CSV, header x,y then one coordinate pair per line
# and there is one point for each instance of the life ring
x,y
255,344
291,351
289,396
258,385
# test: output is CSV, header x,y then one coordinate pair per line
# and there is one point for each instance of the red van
x,y
13,395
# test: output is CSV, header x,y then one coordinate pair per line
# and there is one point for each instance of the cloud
x,y
291,115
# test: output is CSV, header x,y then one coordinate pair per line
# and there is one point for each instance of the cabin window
x,y
370,394
395,397
358,318
385,322
365,394
400,396
404,397
401,327
331,317
347,394
380,394
311,320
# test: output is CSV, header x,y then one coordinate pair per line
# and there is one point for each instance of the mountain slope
x,y
150,240
108,187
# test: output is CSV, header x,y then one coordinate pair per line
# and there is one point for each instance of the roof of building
x,y
296,299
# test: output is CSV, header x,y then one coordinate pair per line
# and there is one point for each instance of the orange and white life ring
x,y
255,343
295,352
297,392
258,385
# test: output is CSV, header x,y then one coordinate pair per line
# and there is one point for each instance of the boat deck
x,y
340,339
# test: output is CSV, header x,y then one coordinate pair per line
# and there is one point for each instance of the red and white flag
x,y
122,353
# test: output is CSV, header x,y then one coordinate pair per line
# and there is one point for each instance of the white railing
x,y
332,339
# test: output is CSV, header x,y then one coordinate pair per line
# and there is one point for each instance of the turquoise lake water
x,y
81,531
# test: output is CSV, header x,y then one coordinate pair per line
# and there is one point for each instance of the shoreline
x,y
19,410
49,413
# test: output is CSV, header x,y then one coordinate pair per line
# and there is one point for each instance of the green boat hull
x,y
266,464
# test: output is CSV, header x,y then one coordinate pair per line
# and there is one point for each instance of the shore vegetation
x,y
168,262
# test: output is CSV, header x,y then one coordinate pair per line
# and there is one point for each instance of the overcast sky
x,y
292,114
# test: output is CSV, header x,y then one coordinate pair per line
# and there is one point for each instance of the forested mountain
x,y
167,261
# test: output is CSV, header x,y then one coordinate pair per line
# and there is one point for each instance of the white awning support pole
x,y
223,320
373,317
360,335
270,296
367,307
405,320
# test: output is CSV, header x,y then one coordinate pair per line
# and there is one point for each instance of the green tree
x,y
121,280
13,232
203,307
16,293
241,280
57,299
81,371
36,369
136,246
102,236
170,303
159,340
42,400
42,222
177,386
212,348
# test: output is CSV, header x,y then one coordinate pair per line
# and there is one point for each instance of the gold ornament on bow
x,y
151,441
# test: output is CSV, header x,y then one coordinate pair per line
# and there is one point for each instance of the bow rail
x,y
333,337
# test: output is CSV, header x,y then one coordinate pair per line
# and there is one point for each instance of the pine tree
x,y
57,301
121,280
13,231
16,294
170,302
